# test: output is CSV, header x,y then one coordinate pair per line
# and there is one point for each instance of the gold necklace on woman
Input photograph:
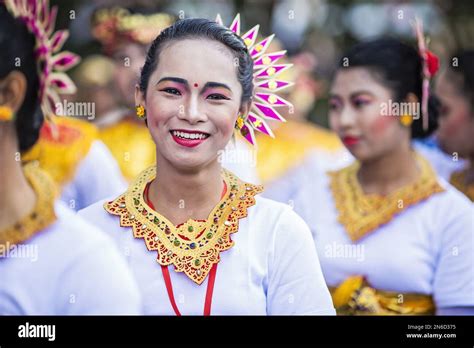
x,y
458,180
42,214
194,246
362,213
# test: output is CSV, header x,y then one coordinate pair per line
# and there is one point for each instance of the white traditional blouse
x,y
97,176
418,240
54,263
267,263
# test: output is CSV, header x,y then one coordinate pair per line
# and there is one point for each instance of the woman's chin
x,y
188,158
361,154
189,161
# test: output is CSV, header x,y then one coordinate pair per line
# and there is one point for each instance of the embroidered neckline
x,y
42,214
458,180
194,246
362,213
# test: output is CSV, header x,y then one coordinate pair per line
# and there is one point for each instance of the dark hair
x,y
17,44
201,28
399,67
465,69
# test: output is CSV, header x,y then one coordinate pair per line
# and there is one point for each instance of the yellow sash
x,y
355,297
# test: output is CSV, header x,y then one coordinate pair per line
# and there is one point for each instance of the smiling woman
x,y
196,87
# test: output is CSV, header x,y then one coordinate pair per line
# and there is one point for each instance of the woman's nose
x,y
192,111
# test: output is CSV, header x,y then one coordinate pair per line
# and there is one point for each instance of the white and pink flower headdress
x,y
40,21
266,84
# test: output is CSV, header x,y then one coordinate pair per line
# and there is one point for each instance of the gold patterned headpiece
x,y
113,26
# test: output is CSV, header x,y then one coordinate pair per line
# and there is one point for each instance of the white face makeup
x,y
355,105
192,101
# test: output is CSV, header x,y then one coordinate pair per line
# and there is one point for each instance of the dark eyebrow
x,y
216,85
353,95
356,94
174,79
185,82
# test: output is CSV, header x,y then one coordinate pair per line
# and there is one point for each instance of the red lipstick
x,y
349,140
188,138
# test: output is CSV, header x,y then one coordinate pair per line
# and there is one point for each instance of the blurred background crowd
x,y
314,32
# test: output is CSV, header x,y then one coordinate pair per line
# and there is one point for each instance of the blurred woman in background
x,y
51,261
393,237
455,134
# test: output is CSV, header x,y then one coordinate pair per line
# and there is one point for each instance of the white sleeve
x,y
453,284
287,188
296,284
98,176
98,281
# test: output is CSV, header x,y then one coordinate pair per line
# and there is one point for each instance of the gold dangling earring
x,y
140,111
6,113
240,122
406,120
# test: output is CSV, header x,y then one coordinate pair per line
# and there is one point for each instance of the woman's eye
x,y
216,96
360,102
171,91
333,106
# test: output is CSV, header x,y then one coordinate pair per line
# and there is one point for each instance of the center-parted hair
x,y
397,66
200,28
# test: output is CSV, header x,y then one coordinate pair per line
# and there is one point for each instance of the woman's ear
x,y
139,96
411,98
13,90
245,108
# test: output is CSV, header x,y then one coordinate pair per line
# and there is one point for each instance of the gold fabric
x,y
362,213
42,214
61,147
193,247
131,145
458,180
354,296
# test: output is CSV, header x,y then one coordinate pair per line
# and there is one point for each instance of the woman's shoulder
x,y
441,162
67,243
98,216
271,210
72,230
70,251
278,218
451,200
448,216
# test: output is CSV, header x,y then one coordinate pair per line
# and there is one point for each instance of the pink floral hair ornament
x,y
40,21
430,68
265,101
